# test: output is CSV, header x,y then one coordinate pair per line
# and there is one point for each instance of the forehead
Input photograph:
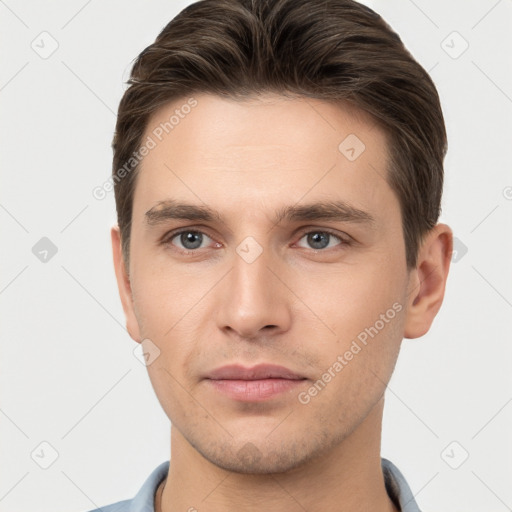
x,y
263,151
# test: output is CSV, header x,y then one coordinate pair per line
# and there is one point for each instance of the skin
x,y
296,305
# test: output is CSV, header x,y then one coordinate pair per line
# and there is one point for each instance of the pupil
x,y
315,240
191,237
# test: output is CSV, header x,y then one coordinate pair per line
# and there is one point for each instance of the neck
x,y
347,478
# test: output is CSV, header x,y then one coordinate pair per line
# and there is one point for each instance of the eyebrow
x,y
339,211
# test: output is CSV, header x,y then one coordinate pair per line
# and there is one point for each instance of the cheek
x,y
358,366
171,394
164,315
365,309
160,294
352,298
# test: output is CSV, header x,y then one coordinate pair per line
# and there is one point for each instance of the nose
x,y
254,300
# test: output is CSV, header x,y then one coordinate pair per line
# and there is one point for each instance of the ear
x,y
428,280
124,286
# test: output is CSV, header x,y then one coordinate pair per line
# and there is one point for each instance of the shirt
x,y
396,487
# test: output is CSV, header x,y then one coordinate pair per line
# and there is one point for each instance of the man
x,y
278,171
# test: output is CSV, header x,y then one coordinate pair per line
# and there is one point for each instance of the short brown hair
x,y
324,49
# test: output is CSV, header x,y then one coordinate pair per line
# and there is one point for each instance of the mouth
x,y
254,384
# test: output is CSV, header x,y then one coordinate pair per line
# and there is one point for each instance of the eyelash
x,y
166,240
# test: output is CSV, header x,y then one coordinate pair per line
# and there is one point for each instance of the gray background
x,y
69,377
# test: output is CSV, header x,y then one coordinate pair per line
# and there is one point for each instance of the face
x,y
290,252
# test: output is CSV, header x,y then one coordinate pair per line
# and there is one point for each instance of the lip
x,y
254,384
258,372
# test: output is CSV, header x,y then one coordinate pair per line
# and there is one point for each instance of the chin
x,y
264,457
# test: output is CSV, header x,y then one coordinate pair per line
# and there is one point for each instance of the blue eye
x,y
189,239
319,240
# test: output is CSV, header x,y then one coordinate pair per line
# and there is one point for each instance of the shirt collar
x,y
396,487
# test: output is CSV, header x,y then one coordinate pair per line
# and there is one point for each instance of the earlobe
x,y
428,281
124,285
